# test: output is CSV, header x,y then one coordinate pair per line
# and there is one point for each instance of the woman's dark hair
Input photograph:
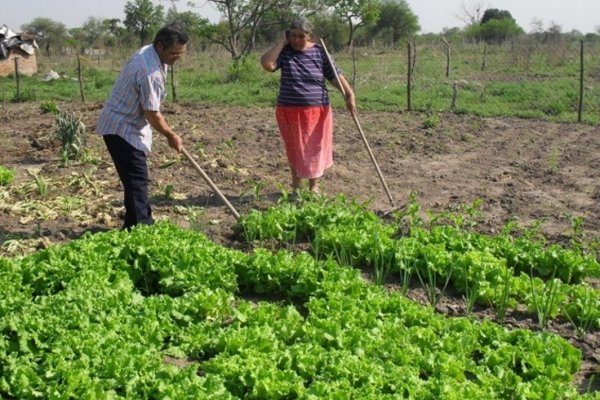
x,y
170,35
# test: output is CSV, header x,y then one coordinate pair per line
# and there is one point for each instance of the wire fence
x,y
526,78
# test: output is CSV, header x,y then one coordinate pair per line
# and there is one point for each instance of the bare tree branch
x,y
472,13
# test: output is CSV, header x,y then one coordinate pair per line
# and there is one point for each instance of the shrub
x,y
49,106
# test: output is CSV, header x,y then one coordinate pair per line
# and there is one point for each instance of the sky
x,y
434,15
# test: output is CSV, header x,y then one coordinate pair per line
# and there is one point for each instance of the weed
x,y
553,160
71,133
227,145
49,107
200,149
195,216
40,183
255,190
240,70
6,176
431,121
169,191
579,240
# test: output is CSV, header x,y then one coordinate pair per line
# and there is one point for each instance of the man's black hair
x,y
171,34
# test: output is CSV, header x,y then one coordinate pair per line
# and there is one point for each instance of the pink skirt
x,y
307,133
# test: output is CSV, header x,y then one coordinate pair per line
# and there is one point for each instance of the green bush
x,y
49,106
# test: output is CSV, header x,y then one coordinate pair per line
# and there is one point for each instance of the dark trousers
x,y
133,172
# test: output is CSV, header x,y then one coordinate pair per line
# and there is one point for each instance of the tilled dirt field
x,y
522,170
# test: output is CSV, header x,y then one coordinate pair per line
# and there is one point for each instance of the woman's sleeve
x,y
279,58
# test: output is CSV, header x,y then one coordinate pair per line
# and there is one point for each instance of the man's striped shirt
x,y
140,86
303,75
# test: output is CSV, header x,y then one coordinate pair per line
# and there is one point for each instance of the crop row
x,y
161,312
502,271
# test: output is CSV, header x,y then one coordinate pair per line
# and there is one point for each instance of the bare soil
x,y
523,170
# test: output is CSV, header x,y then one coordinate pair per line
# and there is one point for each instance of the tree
x,y
396,20
355,13
496,26
115,32
494,13
241,21
553,33
47,32
142,18
92,30
276,20
472,13
197,27
332,29
537,26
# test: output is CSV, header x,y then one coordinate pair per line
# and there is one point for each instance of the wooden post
x,y
454,95
18,79
447,45
409,79
580,108
414,59
173,84
484,58
80,79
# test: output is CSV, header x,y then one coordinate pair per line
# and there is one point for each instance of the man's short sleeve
x,y
152,92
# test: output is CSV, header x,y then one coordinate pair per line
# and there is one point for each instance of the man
x,y
130,113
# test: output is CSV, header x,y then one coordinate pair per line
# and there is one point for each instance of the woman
x,y
303,112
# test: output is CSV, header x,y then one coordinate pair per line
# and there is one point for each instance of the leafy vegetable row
x,y
500,271
165,313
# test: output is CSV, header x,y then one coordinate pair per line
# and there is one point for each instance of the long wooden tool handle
x,y
362,134
364,138
210,183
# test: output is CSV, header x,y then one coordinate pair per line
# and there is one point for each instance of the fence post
x,y
580,108
409,78
484,57
454,95
447,45
18,79
414,59
80,79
